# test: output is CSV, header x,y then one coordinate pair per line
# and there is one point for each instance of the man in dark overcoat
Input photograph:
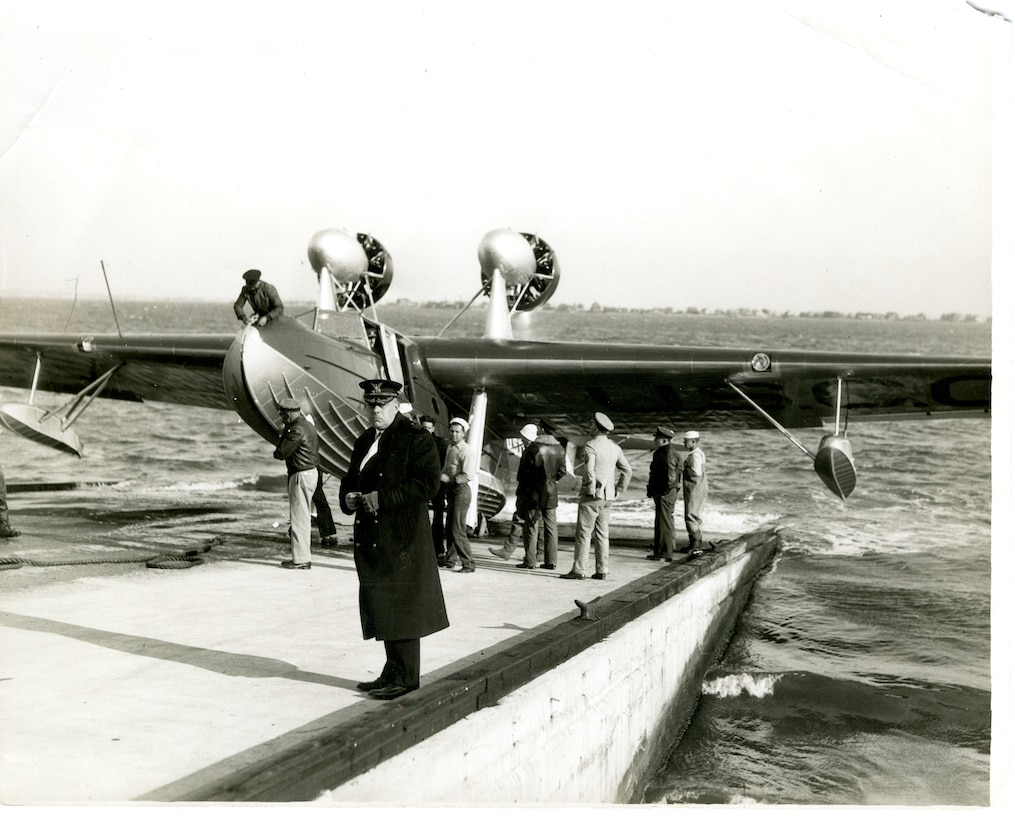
x,y
393,473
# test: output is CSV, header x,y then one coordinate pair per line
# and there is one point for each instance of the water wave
x,y
744,683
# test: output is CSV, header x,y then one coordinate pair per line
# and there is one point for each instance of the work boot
x,y
506,552
7,531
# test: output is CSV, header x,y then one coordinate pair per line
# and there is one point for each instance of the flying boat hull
x,y
286,359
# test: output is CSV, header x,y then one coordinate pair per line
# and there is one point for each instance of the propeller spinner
x,y
359,269
527,264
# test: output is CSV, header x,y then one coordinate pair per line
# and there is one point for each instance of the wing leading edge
x,y
641,386
180,369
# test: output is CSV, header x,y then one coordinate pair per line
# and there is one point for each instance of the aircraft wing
x,y
641,386
181,369
563,382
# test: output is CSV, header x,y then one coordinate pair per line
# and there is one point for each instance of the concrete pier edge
x,y
329,753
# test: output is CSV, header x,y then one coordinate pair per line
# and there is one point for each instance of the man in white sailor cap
x,y
516,534
459,466
542,466
695,482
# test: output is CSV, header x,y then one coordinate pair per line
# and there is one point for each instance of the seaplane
x,y
499,382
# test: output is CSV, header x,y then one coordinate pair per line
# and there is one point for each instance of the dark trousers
x,y
458,507
540,522
325,520
665,537
437,527
402,664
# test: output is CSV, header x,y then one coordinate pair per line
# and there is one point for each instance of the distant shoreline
x,y
454,306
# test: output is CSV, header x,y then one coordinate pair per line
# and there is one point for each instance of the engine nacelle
x,y
359,267
526,262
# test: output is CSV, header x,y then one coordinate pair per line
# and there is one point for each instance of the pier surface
x,y
203,677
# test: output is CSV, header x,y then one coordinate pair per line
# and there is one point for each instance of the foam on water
x,y
731,686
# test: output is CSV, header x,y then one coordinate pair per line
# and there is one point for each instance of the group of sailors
x,y
607,475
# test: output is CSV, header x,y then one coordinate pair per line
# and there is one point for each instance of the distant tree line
x,y
763,313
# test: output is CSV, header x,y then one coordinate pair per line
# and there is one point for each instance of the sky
x,y
789,156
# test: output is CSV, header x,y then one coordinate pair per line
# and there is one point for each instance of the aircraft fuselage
x,y
287,359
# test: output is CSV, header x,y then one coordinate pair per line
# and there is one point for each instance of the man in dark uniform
x,y
393,474
663,488
298,447
263,298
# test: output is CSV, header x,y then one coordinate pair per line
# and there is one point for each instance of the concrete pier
x,y
234,680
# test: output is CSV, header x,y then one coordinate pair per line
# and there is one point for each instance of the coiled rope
x,y
152,561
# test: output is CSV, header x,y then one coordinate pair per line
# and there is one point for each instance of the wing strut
x,y
52,428
454,318
834,460
477,428
771,420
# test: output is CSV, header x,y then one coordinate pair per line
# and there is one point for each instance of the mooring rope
x,y
152,561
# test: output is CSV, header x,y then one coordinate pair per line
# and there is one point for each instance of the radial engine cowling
x,y
359,266
527,263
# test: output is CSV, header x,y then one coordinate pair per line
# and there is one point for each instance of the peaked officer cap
x,y
379,391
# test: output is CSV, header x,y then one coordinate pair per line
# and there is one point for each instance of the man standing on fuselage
x,y
263,298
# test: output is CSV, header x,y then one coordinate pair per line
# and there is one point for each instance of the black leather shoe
x,y
369,686
599,576
525,566
329,541
653,557
573,576
391,691
547,566
292,565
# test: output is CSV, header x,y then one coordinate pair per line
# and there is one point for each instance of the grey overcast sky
x,y
811,155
